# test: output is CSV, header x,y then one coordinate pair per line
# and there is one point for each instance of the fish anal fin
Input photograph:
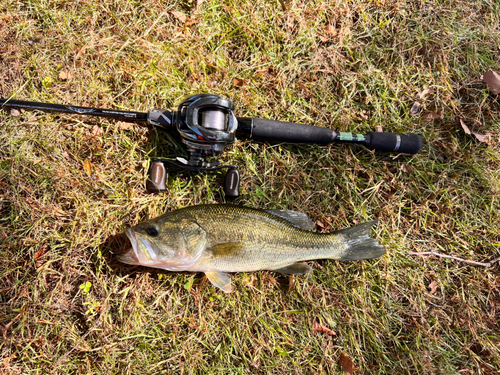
x,y
297,219
294,269
221,280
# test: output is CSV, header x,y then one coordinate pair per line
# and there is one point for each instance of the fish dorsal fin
x,y
221,280
294,269
297,219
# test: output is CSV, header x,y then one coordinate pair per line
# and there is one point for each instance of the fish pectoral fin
x,y
294,269
221,280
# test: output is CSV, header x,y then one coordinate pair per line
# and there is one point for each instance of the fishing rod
x,y
207,124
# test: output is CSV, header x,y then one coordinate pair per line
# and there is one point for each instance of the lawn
x,y
70,185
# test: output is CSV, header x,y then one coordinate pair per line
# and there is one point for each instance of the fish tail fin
x,y
360,245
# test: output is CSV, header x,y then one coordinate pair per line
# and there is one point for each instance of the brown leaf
x,y
378,128
87,167
492,80
424,93
179,15
323,39
482,138
347,364
318,327
238,82
465,127
433,287
432,115
199,2
422,51
15,112
65,75
415,108
406,168
124,125
96,131
330,29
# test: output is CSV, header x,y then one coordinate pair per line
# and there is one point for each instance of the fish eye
x,y
153,231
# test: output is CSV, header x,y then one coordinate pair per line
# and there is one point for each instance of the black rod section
x,y
48,107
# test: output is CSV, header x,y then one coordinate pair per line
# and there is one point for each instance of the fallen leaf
x,y
492,80
432,115
323,39
406,168
96,131
482,138
330,29
426,91
415,108
87,167
65,75
15,112
179,15
238,82
422,51
347,364
320,224
124,125
465,127
199,2
378,128
318,327
433,287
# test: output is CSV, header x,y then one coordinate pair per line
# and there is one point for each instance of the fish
x,y
218,239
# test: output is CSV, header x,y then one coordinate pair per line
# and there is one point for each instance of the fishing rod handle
x,y
289,132
392,142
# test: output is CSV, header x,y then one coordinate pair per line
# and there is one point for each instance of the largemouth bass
x,y
217,239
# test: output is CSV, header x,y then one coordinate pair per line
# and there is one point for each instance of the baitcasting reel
x,y
206,124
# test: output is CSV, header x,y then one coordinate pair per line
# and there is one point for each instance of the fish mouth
x,y
142,251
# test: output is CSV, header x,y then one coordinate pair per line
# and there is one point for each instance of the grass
x,y
70,185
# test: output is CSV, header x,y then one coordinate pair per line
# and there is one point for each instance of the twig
x,y
489,264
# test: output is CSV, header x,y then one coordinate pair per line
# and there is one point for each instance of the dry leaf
x,y
426,91
415,109
323,39
124,125
238,82
492,80
87,167
422,51
199,2
347,364
465,127
433,287
65,75
406,168
96,131
432,115
318,327
180,16
320,224
330,29
378,129
482,138
15,112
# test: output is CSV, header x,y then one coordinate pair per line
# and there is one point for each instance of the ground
x,y
70,185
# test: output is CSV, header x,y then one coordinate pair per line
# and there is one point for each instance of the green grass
x,y
66,304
